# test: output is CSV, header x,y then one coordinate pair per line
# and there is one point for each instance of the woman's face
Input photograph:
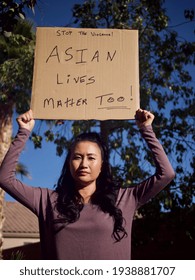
x,y
85,163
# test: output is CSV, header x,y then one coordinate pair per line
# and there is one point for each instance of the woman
x,y
86,216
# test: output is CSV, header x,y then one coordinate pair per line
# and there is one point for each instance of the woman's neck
x,y
87,191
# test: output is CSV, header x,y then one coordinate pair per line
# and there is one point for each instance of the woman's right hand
x,y
26,120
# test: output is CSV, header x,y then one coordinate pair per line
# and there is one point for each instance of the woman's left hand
x,y
143,118
26,120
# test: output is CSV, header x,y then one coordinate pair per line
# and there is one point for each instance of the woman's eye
x,y
76,157
91,158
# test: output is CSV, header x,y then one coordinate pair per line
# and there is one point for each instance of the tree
x,y
14,53
16,63
165,86
11,12
166,89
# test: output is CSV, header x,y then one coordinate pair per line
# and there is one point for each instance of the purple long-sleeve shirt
x,y
89,237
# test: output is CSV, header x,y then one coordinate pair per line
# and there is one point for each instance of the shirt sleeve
x,y
9,183
164,174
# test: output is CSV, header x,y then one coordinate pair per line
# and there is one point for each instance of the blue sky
x,y
43,164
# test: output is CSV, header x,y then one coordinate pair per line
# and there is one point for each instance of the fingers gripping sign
x,y
143,118
26,120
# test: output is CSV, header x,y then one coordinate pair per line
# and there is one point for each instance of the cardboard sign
x,y
84,74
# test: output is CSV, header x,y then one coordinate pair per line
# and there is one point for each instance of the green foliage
x,y
17,255
168,236
37,139
189,14
16,66
11,12
21,170
166,88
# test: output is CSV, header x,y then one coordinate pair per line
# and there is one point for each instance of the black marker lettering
x,y
78,103
84,102
48,102
82,32
110,100
120,99
69,102
96,56
83,79
91,80
101,97
58,82
76,79
81,56
68,76
58,33
54,53
109,56
59,103
68,54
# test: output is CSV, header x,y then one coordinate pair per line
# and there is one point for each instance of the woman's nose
x,y
84,163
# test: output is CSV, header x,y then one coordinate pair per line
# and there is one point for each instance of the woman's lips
x,y
82,173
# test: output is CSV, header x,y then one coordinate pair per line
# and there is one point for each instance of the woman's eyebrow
x,y
89,154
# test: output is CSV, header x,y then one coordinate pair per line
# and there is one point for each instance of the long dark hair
x,y
69,201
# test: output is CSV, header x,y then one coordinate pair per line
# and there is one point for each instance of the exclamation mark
x,y
131,92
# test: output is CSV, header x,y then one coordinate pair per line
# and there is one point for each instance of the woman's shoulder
x,y
126,197
44,197
125,191
48,192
